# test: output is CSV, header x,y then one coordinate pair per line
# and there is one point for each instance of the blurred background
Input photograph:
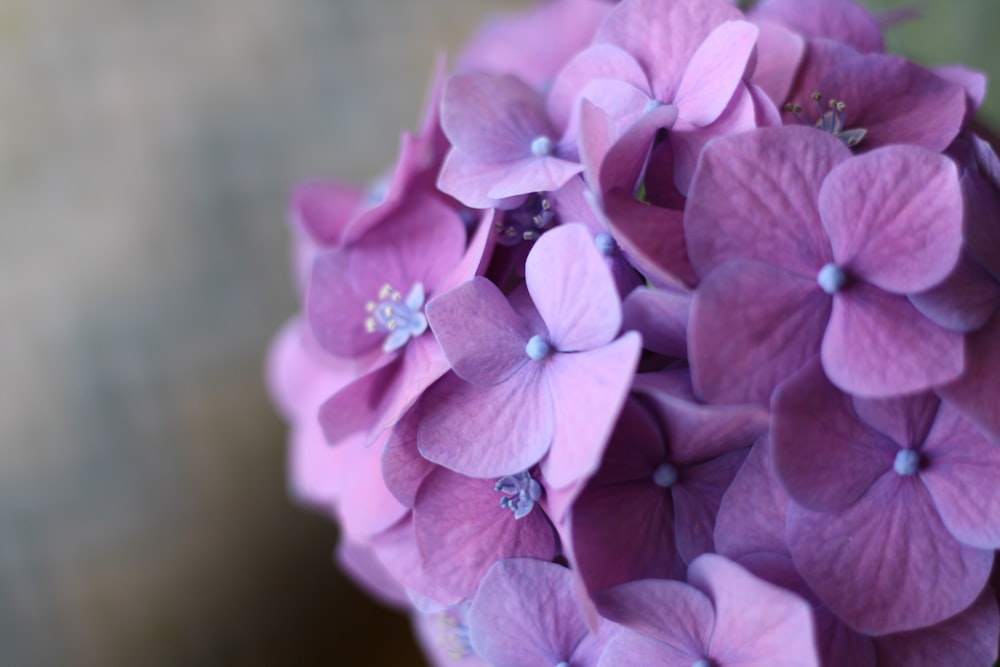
x,y
146,151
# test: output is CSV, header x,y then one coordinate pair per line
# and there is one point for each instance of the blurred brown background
x,y
146,150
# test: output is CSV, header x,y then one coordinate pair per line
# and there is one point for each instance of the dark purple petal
x,y
481,335
824,455
661,317
652,238
887,563
976,392
969,638
697,497
403,468
964,301
462,530
734,213
878,344
842,20
752,325
962,474
894,217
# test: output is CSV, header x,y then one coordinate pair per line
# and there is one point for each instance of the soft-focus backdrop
x,y
146,149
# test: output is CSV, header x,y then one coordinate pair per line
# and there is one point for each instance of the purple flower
x,y
817,258
533,380
526,613
906,481
724,616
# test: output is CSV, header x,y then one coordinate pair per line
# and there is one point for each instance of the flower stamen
x,y
401,318
521,492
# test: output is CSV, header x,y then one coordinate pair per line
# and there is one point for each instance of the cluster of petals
x,y
673,338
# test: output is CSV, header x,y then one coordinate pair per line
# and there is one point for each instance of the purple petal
x,y
756,623
525,614
842,20
962,474
652,238
532,174
779,53
976,393
716,69
623,165
487,431
752,325
481,335
824,455
887,563
573,289
697,497
493,118
698,432
969,638
905,420
365,506
462,530
589,389
964,301
661,317
672,612
754,509
894,217
631,649
878,344
896,101
403,468
359,405
734,213
323,210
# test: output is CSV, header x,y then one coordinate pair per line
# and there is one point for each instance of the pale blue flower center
x,y
537,348
563,664
527,221
541,146
703,662
402,319
832,119
907,462
605,244
454,637
521,492
831,278
665,475
651,105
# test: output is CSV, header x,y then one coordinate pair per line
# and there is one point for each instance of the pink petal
x,y
480,334
887,563
661,317
716,69
733,213
531,174
894,217
365,505
403,468
601,61
752,325
588,390
878,344
573,289
631,649
663,38
490,431
325,209
779,54
756,623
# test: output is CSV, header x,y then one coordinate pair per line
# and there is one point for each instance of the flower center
x,y
541,146
832,119
537,348
527,221
907,462
703,662
402,319
831,278
521,492
454,637
605,244
665,475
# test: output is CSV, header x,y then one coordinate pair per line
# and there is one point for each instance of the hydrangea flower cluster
x,y
671,338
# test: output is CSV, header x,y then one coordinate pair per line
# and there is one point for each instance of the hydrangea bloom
x,y
672,338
